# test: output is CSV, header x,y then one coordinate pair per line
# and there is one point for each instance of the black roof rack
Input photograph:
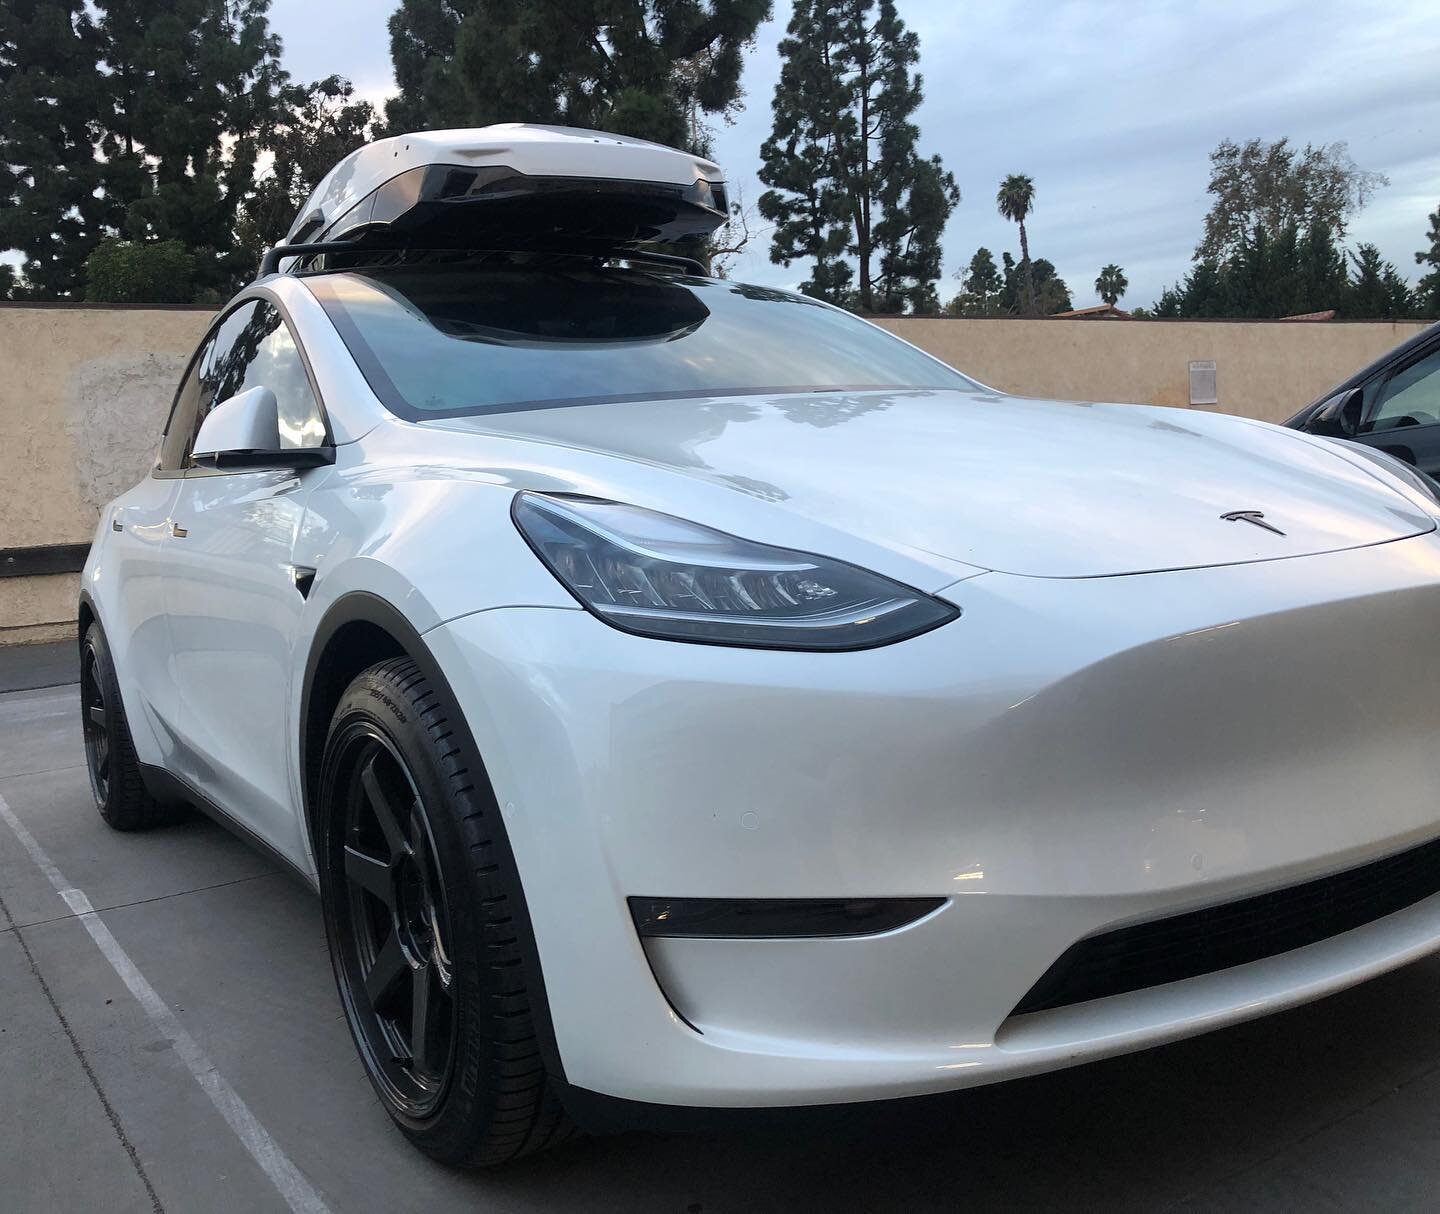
x,y
270,262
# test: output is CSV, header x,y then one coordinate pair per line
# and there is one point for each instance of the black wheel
x,y
115,779
423,912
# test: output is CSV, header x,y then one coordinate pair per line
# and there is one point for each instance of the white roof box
x,y
514,185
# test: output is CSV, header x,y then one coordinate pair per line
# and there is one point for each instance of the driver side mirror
x,y
243,431
1340,416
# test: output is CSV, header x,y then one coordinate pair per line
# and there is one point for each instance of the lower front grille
x,y
1218,937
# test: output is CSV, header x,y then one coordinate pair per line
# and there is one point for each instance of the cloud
x,y
1113,109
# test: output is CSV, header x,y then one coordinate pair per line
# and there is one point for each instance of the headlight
x,y
660,576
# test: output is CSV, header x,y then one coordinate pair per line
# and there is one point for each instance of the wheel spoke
x,y
97,716
384,976
370,874
420,845
423,1018
383,809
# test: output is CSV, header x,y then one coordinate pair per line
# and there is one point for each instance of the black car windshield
x,y
442,340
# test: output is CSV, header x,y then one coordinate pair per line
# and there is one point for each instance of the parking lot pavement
x,y
23,667
1331,1107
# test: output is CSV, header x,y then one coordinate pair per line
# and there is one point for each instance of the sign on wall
x,y
1202,382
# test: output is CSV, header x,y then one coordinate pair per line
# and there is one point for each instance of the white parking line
x,y
266,1152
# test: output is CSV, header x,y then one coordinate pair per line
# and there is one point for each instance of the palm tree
x,y
1111,284
1015,200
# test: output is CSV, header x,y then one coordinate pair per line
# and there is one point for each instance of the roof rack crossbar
x,y
270,263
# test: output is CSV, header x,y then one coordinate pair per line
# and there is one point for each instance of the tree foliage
x,y
137,118
647,68
122,271
1276,186
1427,290
50,112
1049,292
192,91
1376,291
1289,274
1111,284
846,178
317,126
980,287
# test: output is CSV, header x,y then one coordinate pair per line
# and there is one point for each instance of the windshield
x,y
446,340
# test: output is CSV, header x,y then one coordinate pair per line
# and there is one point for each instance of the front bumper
x,y
1069,756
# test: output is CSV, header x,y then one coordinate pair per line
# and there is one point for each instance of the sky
x,y
1111,106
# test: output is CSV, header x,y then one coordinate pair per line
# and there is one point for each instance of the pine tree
x,y
1427,290
1170,305
1376,290
1033,288
805,203
1204,292
647,68
1051,292
1270,275
142,119
422,52
910,235
846,180
980,285
50,108
192,98
1323,281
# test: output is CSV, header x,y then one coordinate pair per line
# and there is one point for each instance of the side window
x,y
182,413
1410,397
221,365
278,366
253,347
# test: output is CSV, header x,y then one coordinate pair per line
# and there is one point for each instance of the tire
x,y
423,910
115,778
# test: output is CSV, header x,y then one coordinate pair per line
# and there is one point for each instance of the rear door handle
x,y
178,531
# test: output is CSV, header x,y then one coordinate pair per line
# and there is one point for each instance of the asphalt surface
x,y
115,1099
24,667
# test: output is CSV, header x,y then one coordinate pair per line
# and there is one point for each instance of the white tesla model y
x,y
686,693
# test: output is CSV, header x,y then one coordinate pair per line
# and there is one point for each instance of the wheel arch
x,y
85,615
356,631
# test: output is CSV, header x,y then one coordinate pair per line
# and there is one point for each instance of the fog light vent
x,y
776,918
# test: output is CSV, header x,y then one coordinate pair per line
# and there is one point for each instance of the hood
x,y
1039,488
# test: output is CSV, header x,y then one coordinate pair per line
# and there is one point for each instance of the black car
x,y
1392,405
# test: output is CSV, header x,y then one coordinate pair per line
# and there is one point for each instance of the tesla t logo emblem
x,y
1251,516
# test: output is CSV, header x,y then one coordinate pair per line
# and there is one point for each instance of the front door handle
x,y
178,531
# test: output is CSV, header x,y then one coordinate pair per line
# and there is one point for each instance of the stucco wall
x,y
84,393
83,397
1264,369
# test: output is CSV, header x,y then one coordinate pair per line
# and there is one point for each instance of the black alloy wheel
x,y
427,925
395,927
115,775
96,725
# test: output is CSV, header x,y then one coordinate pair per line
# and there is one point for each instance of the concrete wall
x,y
83,397
1264,369
84,393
